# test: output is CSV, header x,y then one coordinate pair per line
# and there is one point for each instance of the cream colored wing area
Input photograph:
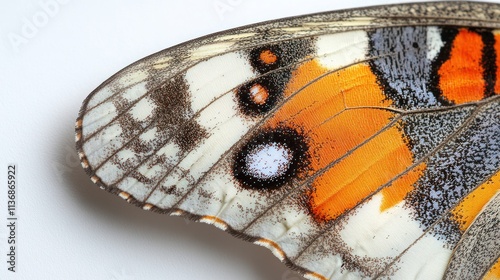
x,y
479,247
169,136
366,243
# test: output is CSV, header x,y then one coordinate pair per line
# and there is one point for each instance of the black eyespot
x,y
271,159
283,54
265,59
260,96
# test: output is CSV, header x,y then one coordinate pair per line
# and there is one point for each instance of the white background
x,y
50,60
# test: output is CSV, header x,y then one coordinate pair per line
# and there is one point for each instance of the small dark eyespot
x,y
259,97
265,59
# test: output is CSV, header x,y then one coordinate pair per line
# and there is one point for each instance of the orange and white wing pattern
x,y
360,144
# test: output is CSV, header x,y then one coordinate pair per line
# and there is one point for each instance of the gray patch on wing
x,y
479,247
405,72
457,169
426,131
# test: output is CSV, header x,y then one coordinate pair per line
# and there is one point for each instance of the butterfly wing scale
x,y
479,247
325,138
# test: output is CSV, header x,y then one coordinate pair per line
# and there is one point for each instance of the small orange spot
x,y
95,179
147,206
78,124
274,247
124,195
398,189
268,57
461,76
494,272
85,163
259,94
472,204
314,275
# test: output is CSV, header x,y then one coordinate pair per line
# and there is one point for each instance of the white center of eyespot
x,y
268,161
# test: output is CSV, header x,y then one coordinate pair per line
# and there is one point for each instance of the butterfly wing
x,y
479,248
344,142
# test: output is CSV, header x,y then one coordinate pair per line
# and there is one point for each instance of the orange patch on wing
x,y
497,51
461,76
268,57
494,272
335,138
465,213
324,106
318,109
398,189
358,175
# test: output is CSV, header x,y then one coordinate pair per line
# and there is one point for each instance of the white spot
x,y
372,233
354,21
212,116
98,118
268,161
142,109
109,172
171,151
95,147
135,77
434,42
312,28
99,97
125,155
216,76
219,141
341,49
207,50
134,188
149,135
234,37
132,78
162,62
150,172
135,92
426,259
